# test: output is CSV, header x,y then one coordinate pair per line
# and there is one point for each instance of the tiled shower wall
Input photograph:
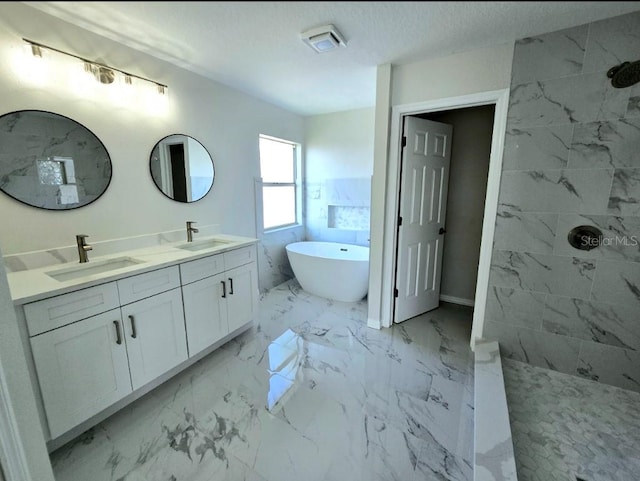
x,y
273,263
572,157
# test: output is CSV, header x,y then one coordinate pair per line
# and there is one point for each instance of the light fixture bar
x,y
36,50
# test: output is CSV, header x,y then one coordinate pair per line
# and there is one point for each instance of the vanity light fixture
x,y
103,73
323,39
36,51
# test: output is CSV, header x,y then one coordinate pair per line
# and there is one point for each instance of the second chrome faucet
x,y
191,230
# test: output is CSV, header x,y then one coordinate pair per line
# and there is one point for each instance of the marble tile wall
x,y
273,263
572,157
339,210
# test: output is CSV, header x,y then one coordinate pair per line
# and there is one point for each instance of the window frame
x,y
297,167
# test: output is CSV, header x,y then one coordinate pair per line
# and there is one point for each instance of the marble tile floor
x,y
308,393
565,427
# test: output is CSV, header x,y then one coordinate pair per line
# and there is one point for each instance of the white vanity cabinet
x,y
82,367
219,294
85,364
95,349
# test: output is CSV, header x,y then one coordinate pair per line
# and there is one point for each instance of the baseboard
x,y
457,300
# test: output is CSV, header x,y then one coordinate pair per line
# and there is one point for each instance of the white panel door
x,y
205,312
155,335
82,369
242,292
423,200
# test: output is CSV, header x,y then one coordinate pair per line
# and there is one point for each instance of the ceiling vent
x,y
323,39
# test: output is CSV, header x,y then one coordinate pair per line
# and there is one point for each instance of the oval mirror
x,y
50,161
181,168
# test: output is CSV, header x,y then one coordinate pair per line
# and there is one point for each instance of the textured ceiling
x,y
256,47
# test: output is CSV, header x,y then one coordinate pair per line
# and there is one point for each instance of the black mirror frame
x,y
213,167
88,130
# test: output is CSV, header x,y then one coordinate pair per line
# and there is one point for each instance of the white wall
x,y
339,164
481,70
16,375
378,189
339,145
227,122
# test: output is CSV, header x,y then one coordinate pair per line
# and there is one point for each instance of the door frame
x,y
499,98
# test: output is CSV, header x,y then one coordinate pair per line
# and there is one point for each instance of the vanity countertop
x,y
36,284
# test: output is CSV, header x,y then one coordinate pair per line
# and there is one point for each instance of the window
x,y
278,168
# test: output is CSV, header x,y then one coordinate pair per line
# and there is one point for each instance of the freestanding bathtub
x,y
328,269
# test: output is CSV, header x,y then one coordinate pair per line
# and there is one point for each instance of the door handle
x,y
134,334
230,286
118,334
442,231
224,289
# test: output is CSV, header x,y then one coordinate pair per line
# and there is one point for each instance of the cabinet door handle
x,y
118,334
134,334
230,286
224,289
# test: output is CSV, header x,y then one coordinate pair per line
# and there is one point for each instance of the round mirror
x,y
181,168
50,161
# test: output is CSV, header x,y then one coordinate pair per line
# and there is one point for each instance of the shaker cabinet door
x,y
82,369
242,298
155,336
205,312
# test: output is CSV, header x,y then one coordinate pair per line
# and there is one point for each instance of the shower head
x,y
624,75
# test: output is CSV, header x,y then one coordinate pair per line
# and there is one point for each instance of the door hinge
x,y
404,141
399,220
395,292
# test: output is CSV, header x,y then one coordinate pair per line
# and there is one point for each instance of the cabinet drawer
x,y
239,257
200,268
61,310
138,287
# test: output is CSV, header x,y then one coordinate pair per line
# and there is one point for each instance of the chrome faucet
x,y
83,248
191,230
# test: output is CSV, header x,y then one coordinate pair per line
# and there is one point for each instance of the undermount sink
x,y
203,244
90,268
